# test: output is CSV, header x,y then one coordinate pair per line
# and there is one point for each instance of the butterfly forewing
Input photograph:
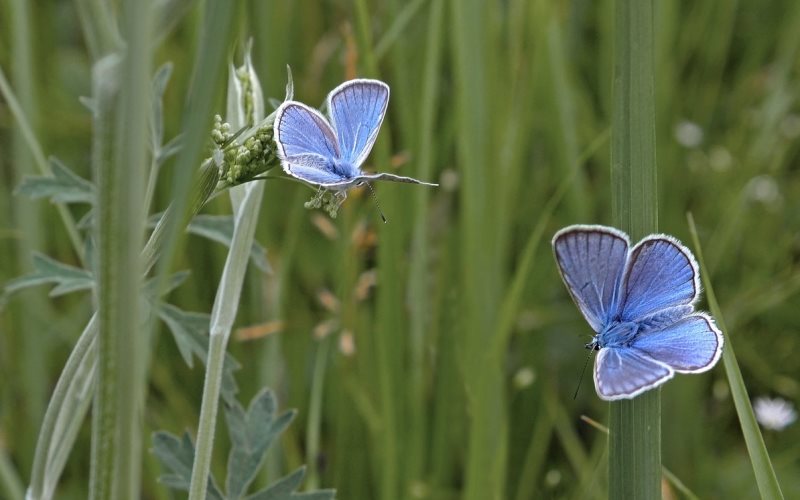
x,y
357,109
692,344
661,274
592,261
625,373
302,134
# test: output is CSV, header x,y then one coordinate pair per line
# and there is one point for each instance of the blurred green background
x,y
435,377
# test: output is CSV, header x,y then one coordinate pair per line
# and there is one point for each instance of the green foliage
x,y
451,368
62,187
48,271
219,228
252,432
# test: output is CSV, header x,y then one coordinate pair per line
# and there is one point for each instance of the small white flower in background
x,y
688,134
774,414
763,189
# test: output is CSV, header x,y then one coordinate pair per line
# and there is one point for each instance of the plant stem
x,y
635,425
119,398
223,314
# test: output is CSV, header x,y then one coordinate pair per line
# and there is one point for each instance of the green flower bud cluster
x,y
242,162
329,201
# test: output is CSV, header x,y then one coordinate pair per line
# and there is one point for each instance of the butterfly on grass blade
x,y
640,303
329,153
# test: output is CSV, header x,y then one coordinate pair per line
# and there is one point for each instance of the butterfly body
x,y
329,152
640,303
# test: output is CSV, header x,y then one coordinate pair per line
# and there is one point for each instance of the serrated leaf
x,y
219,228
190,331
64,186
284,489
251,435
48,271
177,456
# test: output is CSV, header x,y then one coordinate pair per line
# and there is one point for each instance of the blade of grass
x,y
766,479
9,478
419,272
635,439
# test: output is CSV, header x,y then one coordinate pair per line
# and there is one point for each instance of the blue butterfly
x,y
640,302
330,154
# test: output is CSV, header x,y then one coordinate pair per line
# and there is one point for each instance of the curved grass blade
x,y
766,479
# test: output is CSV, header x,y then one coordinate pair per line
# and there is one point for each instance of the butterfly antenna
x,y
377,205
583,372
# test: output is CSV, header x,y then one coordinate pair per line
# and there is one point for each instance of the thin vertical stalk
x,y
27,214
313,428
223,314
388,345
419,272
635,425
116,453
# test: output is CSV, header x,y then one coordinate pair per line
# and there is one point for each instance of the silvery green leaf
x,y
48,271
190,331
169,149
64,186
285,489
245,100
160,81
219,228
174,282
176,456
251,435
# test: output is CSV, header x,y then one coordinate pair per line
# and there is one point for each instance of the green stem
x,y
79,371
315,412
208,417
246,202
119,398
635,425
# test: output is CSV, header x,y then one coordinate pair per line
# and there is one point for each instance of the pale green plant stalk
x,y
119,163
634,461
245,108
28,214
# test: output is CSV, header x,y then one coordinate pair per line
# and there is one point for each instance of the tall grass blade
x,y
635,440
767,481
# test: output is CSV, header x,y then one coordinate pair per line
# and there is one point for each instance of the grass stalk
x,y
634,466
766,479
419,272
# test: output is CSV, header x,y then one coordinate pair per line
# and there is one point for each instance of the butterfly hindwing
x,y
592,260
357,108
626,373
692,344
